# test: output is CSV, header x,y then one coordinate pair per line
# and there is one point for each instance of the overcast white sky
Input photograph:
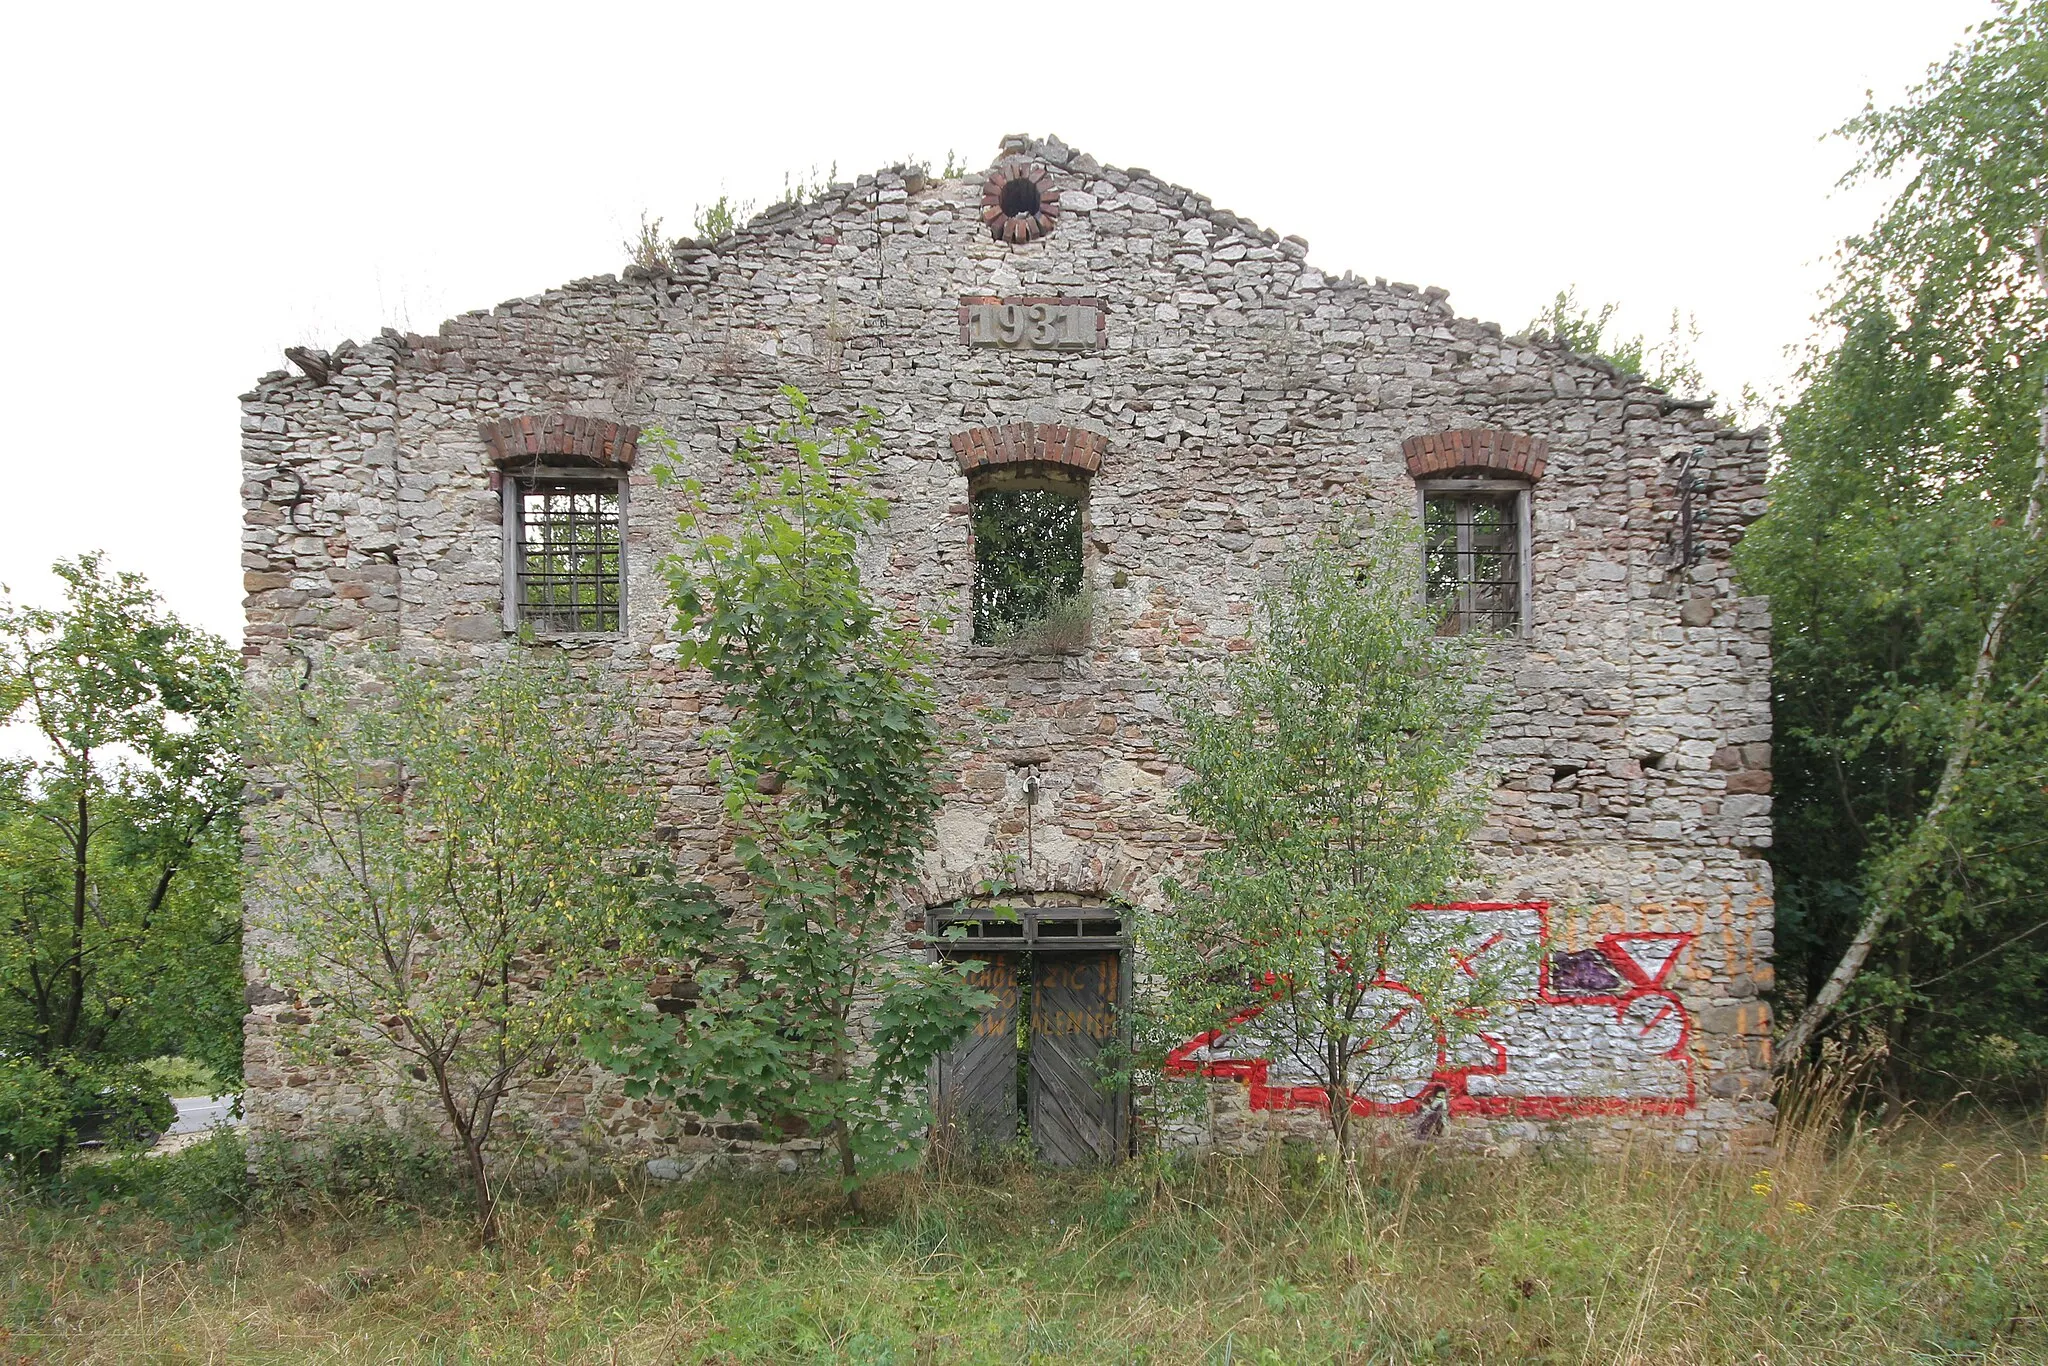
x,y
194,187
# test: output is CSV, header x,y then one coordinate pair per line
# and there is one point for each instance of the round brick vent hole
x,y
1020,197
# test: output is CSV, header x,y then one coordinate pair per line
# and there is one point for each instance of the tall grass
x,y
1062,628
1928,1243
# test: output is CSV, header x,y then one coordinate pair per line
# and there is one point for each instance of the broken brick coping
x,y
1476,450
566,437
1076,449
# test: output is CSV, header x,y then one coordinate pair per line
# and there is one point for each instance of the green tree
x,y
812,1012
118,861
1904,557
448,880
1669,365
1331,760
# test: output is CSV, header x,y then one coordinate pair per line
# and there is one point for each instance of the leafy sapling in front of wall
x,y
1331,760
448,882
812,1012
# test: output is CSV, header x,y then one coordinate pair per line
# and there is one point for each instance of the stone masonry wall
x,y
1236,397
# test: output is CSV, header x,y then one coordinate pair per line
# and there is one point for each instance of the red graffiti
x,y
1620,1051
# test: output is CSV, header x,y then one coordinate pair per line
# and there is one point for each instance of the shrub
x,y
1329,759
203,1189
807,1015
449,870
34,1118
353,1166
47,1109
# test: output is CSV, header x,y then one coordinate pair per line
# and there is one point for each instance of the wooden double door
x,y
1037,1054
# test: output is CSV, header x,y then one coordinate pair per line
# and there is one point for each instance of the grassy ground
x,y
1928,1245
184,1078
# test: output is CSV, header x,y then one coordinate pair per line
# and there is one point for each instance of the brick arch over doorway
x,y
1476,450
1089,872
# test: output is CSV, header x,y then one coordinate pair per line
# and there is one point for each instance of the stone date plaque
x,y
1032,323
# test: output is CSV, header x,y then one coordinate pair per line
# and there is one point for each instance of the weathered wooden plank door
x,y
1074,1119
977,1078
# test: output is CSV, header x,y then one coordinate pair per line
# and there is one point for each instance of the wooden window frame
x,y
1524,538
512,510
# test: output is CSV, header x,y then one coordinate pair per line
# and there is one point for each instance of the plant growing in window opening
x,y
1328,759
1061,629
445,882
1027,564
812,1011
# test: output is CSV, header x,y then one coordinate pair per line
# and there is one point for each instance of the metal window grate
x,y
569,556
1472,560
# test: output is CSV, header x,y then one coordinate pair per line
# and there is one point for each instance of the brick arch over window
x,y
561,438
1476,450
1021,443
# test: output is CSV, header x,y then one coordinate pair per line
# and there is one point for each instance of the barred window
x,y
567,555
1474,552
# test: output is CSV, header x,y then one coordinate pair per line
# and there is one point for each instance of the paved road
x,y
199,1113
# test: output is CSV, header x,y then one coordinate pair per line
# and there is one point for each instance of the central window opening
x,y
1028,562
1020,197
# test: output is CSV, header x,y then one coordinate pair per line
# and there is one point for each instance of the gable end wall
x,y
1240,394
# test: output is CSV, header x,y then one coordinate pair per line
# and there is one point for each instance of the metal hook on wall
x,y
1682,546
298,499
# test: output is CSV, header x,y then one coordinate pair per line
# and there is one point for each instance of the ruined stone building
x,y
1183,396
